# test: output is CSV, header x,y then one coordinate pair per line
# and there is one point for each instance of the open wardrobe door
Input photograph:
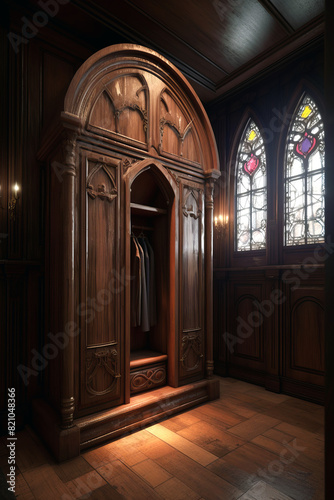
x,y
129,251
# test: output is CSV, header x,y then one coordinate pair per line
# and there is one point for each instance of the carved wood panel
x,y
100,297
177,133
122,108
191,347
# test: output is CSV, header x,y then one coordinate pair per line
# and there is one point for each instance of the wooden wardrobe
x,y
133,155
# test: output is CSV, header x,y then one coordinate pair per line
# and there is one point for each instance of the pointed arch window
x,y
304,179
251,191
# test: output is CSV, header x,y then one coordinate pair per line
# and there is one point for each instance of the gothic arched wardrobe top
x,y
167,118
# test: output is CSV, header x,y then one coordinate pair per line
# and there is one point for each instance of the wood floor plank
x,y
151,472
218,416
236,406
45,484
254,426
22,489
188,448
127,451
30,452
263,491
200,479
85,484
126,482
278,436
180,422
249,462
72,469
174,489
270,444
210,438
106,492
99,456
155,448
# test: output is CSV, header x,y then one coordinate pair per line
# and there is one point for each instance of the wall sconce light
x,y
13,201
221,224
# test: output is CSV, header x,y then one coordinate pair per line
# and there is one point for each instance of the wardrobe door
x,y
192,283
102,283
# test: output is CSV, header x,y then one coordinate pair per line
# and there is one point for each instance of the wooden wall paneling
x,y
17,332
4,351
271,309
33,187
220,313
192,346
16,146
4,151
247,329
56,73
303,338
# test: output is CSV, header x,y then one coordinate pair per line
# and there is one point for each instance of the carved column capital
x,y
68,149
209,186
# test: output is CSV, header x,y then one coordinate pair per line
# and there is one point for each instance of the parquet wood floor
x,y
250,444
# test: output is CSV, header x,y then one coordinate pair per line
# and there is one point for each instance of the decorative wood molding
x,y
189,211
191,342
101,359
135,107
175,177
67,407
100,191
148,378
68,150
128,163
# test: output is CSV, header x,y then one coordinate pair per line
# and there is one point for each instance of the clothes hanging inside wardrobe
x,y
143,291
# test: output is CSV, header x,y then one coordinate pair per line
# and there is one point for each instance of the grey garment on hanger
x,y
145,320
136,284
152,289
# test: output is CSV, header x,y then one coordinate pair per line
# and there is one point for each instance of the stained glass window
x,y
305,177
251,191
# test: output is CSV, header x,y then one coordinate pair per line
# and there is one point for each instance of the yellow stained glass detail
x,y
252,135
306,112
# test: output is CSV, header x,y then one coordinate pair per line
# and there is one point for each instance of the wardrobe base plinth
x,y
98,428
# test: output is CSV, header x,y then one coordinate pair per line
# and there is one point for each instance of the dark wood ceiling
x,y
217,44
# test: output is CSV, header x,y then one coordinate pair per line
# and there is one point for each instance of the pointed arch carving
x,y
102,191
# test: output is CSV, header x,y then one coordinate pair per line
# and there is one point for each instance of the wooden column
x,y
67,404
209,185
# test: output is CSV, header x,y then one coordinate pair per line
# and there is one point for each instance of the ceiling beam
x,y
274,12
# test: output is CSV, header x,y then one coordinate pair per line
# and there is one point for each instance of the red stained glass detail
x,y
251,165
306,145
